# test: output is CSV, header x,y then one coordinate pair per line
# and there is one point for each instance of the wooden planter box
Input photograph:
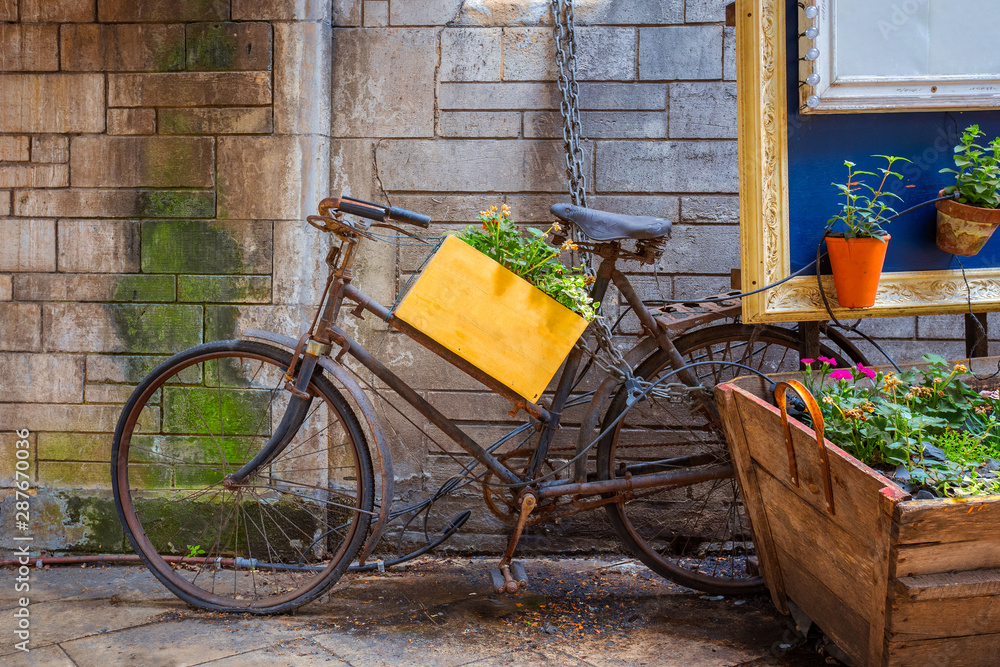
x,y
892,581
490,317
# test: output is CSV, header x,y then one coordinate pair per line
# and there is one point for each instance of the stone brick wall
x,y
156,161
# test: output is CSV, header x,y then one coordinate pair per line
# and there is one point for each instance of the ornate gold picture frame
x,y
764,230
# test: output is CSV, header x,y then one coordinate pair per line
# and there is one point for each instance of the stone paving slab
x,y
577,612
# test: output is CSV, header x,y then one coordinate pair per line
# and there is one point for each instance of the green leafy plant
x,y
928,429
529,256
864,209
195,550
977,178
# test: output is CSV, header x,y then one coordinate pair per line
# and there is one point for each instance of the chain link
x,y
565,38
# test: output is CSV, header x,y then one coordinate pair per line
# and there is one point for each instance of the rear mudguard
x,y
383,455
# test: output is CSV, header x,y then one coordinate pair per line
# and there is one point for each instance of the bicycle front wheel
x,y
697,535
282,536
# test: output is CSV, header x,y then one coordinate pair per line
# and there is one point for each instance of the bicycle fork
x,y
295,413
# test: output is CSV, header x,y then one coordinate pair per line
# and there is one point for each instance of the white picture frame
x,y
898,55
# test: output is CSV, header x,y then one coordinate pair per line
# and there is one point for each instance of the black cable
x,y
981,333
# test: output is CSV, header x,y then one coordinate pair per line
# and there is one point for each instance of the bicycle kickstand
x,y
510,577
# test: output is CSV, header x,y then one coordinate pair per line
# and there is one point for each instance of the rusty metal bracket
x,y
781,399
383,455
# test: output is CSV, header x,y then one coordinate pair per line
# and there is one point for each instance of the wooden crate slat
x,y
948,617
840,558
945,585
848,629
753,500
918,559
946,519
968,651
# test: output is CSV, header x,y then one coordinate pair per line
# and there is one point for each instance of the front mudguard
x,y
383,455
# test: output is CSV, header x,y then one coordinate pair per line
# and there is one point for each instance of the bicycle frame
x,y
328,333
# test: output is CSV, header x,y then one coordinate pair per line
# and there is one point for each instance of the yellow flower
x,y
829,400
568,245
961,368
493,208
589,280
556,227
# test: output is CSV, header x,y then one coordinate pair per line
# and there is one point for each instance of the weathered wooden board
x,y
917,559
949,617
753,499
971,651
839,558
848,629
493,319
975,583
946,519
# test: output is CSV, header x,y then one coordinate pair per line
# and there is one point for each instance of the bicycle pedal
x,y
497,581
519,575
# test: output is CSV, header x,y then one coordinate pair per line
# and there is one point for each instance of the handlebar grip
x,y
362,210
412,217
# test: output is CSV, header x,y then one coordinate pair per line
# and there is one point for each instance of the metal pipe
x,y
665,479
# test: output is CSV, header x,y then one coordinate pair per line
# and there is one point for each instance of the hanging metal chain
x,y
565,38
606,356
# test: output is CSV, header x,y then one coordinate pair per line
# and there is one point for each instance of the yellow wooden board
x,y
493,319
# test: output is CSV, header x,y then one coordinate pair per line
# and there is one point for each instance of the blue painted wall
x,y
819,144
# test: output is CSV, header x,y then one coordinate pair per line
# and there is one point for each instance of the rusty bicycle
x,y
246,480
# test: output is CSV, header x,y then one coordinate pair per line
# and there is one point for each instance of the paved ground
x,y
435,612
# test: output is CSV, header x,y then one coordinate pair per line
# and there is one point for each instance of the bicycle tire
x,y
696,535
270,544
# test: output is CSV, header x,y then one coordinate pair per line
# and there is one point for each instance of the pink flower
x,y
828,360
842,374
808,361
867,372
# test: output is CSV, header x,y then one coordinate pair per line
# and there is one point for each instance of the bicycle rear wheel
x,y
697,535
271,543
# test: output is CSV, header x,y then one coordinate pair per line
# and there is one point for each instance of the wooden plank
x,y
917,559
946,519
971,651
856,487
948,585
954,617
882,552
847,628
842,560
753,501
491,318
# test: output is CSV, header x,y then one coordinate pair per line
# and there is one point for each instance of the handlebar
x,y
371,211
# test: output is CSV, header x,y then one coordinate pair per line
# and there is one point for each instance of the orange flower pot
x,y
857,267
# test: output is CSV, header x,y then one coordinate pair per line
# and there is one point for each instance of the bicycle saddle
x,y
604,226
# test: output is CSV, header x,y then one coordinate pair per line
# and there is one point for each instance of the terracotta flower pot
x,y
963,229
857,266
